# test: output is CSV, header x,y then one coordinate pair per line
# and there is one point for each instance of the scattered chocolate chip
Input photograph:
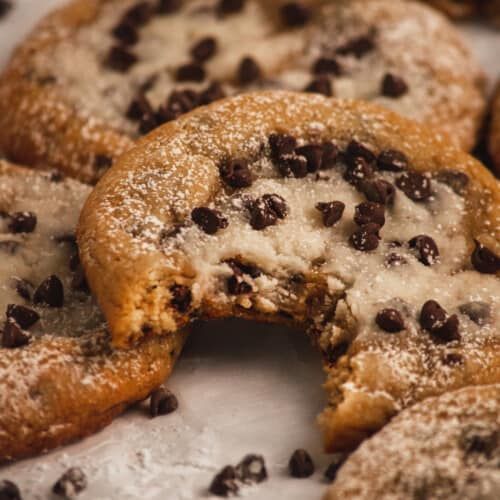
x,y
139,107
24,316
282,144
236,173
55,176
120,59
485,260
178,103
320,85
266,211
162,402
330,155
458,181
126,33
181,297
327,65
390,320
295,14
452,359
331,211
190,72
252,469
22,222
13,335
392,160
9,246
139,14
71,483
204,49
224,483
415,185
395,260
477,311
427,250
332,470
358,171
212,93
480,440
393,86
239,268
293,165
5,7
209,220
301,464
313,155
102,162
366,238
357,47
248,71
378,191
168,6
368,212
50,292
356,150
225,7
432,315
24,288
8,490
448,331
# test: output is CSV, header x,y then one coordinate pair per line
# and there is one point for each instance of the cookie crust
x,y
41,124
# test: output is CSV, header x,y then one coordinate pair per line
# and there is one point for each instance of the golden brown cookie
x,y
494,134
97,74
60,379
445,448
374,235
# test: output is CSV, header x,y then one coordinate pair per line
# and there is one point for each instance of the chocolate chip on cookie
x,y
331,211
366,238
168,6
292,165
485,260
314,156
435,320
13,335
252,469
392,160
356,149
236,173
225,7
248,71
224,483
301,464
126,33
181,297
281,144
24,288
335,465
448,331
357,47
327,65
368,212
71,483
162,402
22,222
416,186
458,181
378,191
139,107
209,220
5,7
212,93
24,316
267,210
204,49
426,248
120,59
358,171
390,320
479,440
295,14
8,489
190,72
50,292
393,86
320,85
139,14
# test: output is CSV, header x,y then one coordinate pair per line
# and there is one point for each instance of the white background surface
x,y
242,388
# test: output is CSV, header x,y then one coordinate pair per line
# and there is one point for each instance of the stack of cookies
x,y
304,163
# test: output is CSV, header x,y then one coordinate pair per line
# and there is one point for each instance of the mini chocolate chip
x,y
427,250
313,155
378,191
395,260
248,71
22,222
252,469
181,297
162,402
178,103
5,7
393,86
13,335
477,311
292,164
331,211
150,122
55,176
485,260
126,33
448,331
24,288
139,107
72,482
102,162
266,211
8,490
204,49
458,181
139,14
330,155
236,285
452,359
415,185
224,483
282,144
212,93
9,246
357,47
235,173
120,59
432,315
369,211
239,268
479,440
320,85
190,72
24,316
392,160
390,320
295,14
332,470
50,292
301,464
225,7
358,171
366,238
168,6
209,220
327,65
356,149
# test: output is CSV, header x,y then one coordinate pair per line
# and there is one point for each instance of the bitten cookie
x,y
370,232
59,377
494,138
97,74
443,448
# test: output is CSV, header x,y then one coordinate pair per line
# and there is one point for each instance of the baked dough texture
x,y
60,379
322,213
96,74
445,448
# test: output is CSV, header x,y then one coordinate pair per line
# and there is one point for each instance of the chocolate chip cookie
x,y
374,235
98,74
443,448
59,377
